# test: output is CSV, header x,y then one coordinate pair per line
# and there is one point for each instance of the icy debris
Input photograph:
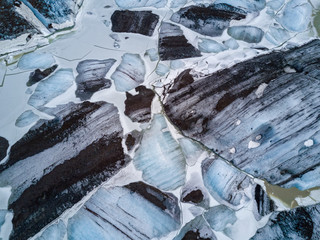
x,y
308,143
4,145
248,34
56,231
209,20
26,118
231,43
36,60
225,183
299,224
159,157
296,15
173,44
277,35
38,75
128,4
197,228
162,69
210,46
219,217
135,211
130,73
260,90
153,54
250,5
176,64
51,87
138,107
141,22
191,150
178,3
91,77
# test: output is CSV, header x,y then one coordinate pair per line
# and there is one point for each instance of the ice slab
x,y
219,217
128,4
247,33
26,118
56,231
211,46
36,60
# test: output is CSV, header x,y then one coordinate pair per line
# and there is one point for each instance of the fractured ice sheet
x,y
197,228
248,34
296,15
91,77
58,161
53,12
130,73
56,231
51,87
4,145
142,22
38,75
159,157
138,107
299,224
36,60
231,43
211,20
173,44
278,123
26,118
128,4
135,211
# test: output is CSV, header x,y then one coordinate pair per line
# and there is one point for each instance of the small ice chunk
x,y
219,217
191,150
277,35
288,69
26,118
130,73
56,231
178,3
253,144
51,87
296,15
159,157
36,60
308,143
232,150
260,90
29,91
128,4
162,69
248,34
153,54
176,64
231,43
275,4
211,46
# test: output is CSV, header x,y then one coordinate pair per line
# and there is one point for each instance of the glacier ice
x,y
275,4
250,5
26,118
219,217
162,69
34,60
57,231
296,15
231,43
210,46
191,150
3,214
159,157
128,4
153,54
135,211
247,33
130,73
176,64
277,35
51,87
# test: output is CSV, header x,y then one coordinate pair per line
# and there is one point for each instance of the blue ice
x,y
275,4
276,35
178,3
231,43
162,69
51,87
250,5
130,73
248,34
153,54
36,60
56,231
160,158
128,4
26,118
219,217
210,46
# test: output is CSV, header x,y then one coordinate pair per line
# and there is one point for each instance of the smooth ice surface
x,y
176,64
296,15
153,54
36,60
226,183
251,5
56,231
191,150
219,217
130,73
162,69
51,87
26,118
159,157
275,4
210,46
3,214
128,4
124,213
178,3
231,43
248,34
277,35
